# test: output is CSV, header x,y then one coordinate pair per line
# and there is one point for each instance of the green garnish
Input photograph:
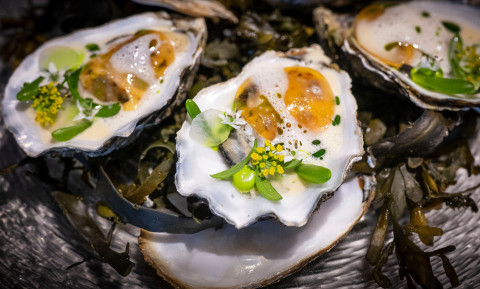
x,y
279,95
30,90
425,14
319,153
434,81
265,187
337,100
418,29
67,133
109,110
452,27
292,164
316,142
313,174
192,108
92,47
336,120
93,55
236,168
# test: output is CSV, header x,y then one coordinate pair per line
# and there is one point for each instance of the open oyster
x,y
260,254
425,50
299,110
88,90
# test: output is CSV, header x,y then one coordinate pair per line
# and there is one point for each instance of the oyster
x,y
196,8
134,92
405,48
260,254
295,99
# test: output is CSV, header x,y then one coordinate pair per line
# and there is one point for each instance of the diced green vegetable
x,y
313,174
319,153
452,27
92,47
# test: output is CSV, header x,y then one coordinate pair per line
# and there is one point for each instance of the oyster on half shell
x,y
383,47
327,135
260,254
110,75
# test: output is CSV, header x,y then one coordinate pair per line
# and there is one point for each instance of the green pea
x,y
313,174
244,180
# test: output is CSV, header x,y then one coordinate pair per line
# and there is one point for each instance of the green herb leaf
x,y
316,142
313,174
425,14
292,164
67,133
192,108
265,188
337,100
72,81
452,27
29,90
319,153
418,29
236,168
109,110
443,85
92,47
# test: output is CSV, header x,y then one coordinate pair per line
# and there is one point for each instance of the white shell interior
x,y
196,162
229,258
462,15
31,137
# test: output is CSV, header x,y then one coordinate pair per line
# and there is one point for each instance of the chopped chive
x,y
452,27
391,45
319,153
92,47
436,34
425,14
336,120
161,80
337,100
93,55
418,29
316,142
279,95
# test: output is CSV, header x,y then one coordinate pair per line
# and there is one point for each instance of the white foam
x,y
134,58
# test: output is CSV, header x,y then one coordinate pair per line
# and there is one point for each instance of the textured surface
x,y
37,243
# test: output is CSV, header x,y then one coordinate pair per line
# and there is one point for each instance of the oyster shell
x,y
260,254
196,8
197,162
336,35
122,128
